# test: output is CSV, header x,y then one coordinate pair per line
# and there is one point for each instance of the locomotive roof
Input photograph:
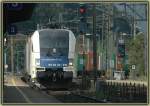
x,y
41,30
53,30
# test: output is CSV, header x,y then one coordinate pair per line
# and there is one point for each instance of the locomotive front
x,y
55,64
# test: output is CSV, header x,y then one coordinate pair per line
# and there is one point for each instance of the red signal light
x,y
82,10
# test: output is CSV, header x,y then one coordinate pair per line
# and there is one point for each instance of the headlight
x,y
37,62
70,64
64,65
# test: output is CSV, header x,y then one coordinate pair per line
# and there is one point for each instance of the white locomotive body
x,y
50,56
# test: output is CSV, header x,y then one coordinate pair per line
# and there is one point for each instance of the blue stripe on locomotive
x,y
53,62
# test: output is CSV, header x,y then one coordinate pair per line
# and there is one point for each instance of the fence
x,y
122,92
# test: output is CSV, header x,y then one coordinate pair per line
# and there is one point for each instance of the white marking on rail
x,y
25,97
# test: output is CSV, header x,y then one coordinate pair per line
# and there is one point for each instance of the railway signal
x,y
82,11
83,21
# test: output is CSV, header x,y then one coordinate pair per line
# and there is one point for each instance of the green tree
x,y
136,53
41,15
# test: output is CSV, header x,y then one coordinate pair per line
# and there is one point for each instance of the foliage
x,y
42,14
136,53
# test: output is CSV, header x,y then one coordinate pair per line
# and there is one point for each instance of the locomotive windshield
x,y
54,42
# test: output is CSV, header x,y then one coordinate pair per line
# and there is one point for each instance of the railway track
x,y
70,96
77,95
90,99
73,96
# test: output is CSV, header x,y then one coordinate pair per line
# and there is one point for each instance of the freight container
x,y
81,62
87,64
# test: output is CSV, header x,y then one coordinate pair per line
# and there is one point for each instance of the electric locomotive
x,y
50,57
